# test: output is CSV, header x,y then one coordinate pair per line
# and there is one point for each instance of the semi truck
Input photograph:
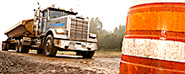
x,y
50,30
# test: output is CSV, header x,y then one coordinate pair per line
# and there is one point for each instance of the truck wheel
x,y
87,54
40,51
78,53
22,48
49,48
4,47
17,46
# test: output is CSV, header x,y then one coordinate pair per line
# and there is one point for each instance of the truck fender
x,y
55,35
50,31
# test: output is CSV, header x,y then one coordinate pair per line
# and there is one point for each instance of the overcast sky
x,y
112,13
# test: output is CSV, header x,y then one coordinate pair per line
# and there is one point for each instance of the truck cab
x,y
66,31
50,30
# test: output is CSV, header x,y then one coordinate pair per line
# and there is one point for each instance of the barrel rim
x,y
153,2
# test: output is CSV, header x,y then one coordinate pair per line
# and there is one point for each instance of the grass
x,y
108,54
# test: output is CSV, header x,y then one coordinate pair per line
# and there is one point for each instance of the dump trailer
x,y
50,30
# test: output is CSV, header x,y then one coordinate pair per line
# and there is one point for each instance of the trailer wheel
x,y
87,54
22,48
4,47
49,48
17,46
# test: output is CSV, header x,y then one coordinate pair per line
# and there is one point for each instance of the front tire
x,y
49,48
87,54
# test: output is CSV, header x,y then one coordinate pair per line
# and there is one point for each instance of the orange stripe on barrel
x,y
147,65
155,17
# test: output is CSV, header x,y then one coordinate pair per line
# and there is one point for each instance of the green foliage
x,y
95,25
107,40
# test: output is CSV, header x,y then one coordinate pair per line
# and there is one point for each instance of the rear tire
x,y
49,48
87,54
40,50
17,46
4,47
22,48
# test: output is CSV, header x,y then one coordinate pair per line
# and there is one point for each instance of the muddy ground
x,y
32,63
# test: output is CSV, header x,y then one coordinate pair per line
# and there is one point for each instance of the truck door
x,y
44,21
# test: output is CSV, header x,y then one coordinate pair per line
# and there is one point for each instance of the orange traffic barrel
x,y
154,39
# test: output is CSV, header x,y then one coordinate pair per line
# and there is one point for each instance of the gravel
x,y
15,64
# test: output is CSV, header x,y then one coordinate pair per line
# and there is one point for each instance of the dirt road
x,y
11,62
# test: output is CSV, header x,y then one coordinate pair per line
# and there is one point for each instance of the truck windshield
x,y
55,14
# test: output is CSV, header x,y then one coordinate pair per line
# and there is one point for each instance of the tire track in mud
x,y
11,62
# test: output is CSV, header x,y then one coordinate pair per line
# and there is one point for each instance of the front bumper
x,y
75,45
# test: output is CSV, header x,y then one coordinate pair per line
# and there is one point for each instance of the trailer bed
x,y
20,29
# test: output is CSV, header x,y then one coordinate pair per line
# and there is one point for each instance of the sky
x,y
112,13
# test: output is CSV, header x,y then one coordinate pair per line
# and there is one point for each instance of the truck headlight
x,y
60,31
91,35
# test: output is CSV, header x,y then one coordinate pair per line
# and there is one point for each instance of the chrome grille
x,y
78,29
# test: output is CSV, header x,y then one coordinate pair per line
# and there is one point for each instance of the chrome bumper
x,y
75,45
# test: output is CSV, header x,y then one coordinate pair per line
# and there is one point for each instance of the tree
x,y
107,40
95,25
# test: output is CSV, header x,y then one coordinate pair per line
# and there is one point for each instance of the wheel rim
x,y
48,47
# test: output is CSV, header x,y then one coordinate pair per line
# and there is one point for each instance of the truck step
x,y
34,45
